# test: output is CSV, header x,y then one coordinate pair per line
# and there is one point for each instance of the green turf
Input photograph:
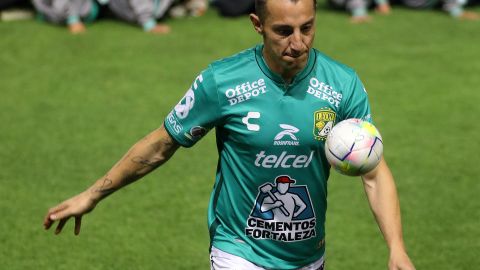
x,y
70,106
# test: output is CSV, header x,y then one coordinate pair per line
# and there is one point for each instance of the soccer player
x,y
266,104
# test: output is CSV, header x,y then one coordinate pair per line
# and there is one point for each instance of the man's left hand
x,y
400,261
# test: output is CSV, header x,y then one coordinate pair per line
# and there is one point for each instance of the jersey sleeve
x,y
196,113
356,102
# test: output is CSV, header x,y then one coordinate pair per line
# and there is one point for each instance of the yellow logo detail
x,y
323,122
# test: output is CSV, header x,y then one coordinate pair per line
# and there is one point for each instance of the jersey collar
x,y
312,58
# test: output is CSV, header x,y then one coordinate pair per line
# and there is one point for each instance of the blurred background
x,y
81,81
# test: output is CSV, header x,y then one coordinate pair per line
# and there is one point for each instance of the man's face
x,y
288,32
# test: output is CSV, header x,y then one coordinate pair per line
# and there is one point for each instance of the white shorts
x,y
221,260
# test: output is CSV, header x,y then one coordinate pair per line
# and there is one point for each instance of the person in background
x,y
229,8
359,8
453,7
73,13
143,12
194,8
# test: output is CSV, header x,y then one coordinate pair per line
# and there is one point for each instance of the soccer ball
x,y
354,147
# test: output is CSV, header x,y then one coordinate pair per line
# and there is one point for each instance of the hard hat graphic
x,y
284,179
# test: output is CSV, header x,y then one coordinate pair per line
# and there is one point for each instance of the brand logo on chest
x,y
287,136
285,160
245,91
251,126
325,92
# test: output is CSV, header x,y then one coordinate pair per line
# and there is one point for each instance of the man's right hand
x,y
75,207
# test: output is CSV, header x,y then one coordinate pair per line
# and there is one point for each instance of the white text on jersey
x,y
245,91
283,161
325,92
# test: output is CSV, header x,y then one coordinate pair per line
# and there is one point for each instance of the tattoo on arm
x,y
144,165
163,147
145,162
105,188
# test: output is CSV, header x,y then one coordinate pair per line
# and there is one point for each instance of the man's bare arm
x,y
383,198
146,155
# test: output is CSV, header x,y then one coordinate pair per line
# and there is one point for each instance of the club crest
x,y
323,121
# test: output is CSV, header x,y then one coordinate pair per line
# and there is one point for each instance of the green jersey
x,y
269,200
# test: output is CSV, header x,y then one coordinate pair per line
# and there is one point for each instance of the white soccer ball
x,y
354,147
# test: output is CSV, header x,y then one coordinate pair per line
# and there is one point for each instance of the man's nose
x,y
296,43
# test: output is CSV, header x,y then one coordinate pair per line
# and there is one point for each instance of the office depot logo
x,y
245,91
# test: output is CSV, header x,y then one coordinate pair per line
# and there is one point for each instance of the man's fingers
x,y
60,225
78,224
47,222
51,216
57,208
74,207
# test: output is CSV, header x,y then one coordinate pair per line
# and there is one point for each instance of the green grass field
x,y
70,106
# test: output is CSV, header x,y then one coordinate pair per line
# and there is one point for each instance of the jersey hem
x,y
286,265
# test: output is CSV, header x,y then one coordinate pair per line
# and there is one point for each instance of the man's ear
x,y
257,24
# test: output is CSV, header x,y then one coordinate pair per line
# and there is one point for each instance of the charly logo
x,y
288,131
186,104
245,91
250,126
282,212
323,121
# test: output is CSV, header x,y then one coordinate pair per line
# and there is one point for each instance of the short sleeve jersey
x,y
269,200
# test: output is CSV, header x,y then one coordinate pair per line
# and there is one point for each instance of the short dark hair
x,y
261,12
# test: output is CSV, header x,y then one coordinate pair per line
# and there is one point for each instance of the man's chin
x,y
293,62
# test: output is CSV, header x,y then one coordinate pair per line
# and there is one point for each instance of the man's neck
x,y
286,73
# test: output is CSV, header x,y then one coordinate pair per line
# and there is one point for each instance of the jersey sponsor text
x,y
280,231
245,91
283,161
325,92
